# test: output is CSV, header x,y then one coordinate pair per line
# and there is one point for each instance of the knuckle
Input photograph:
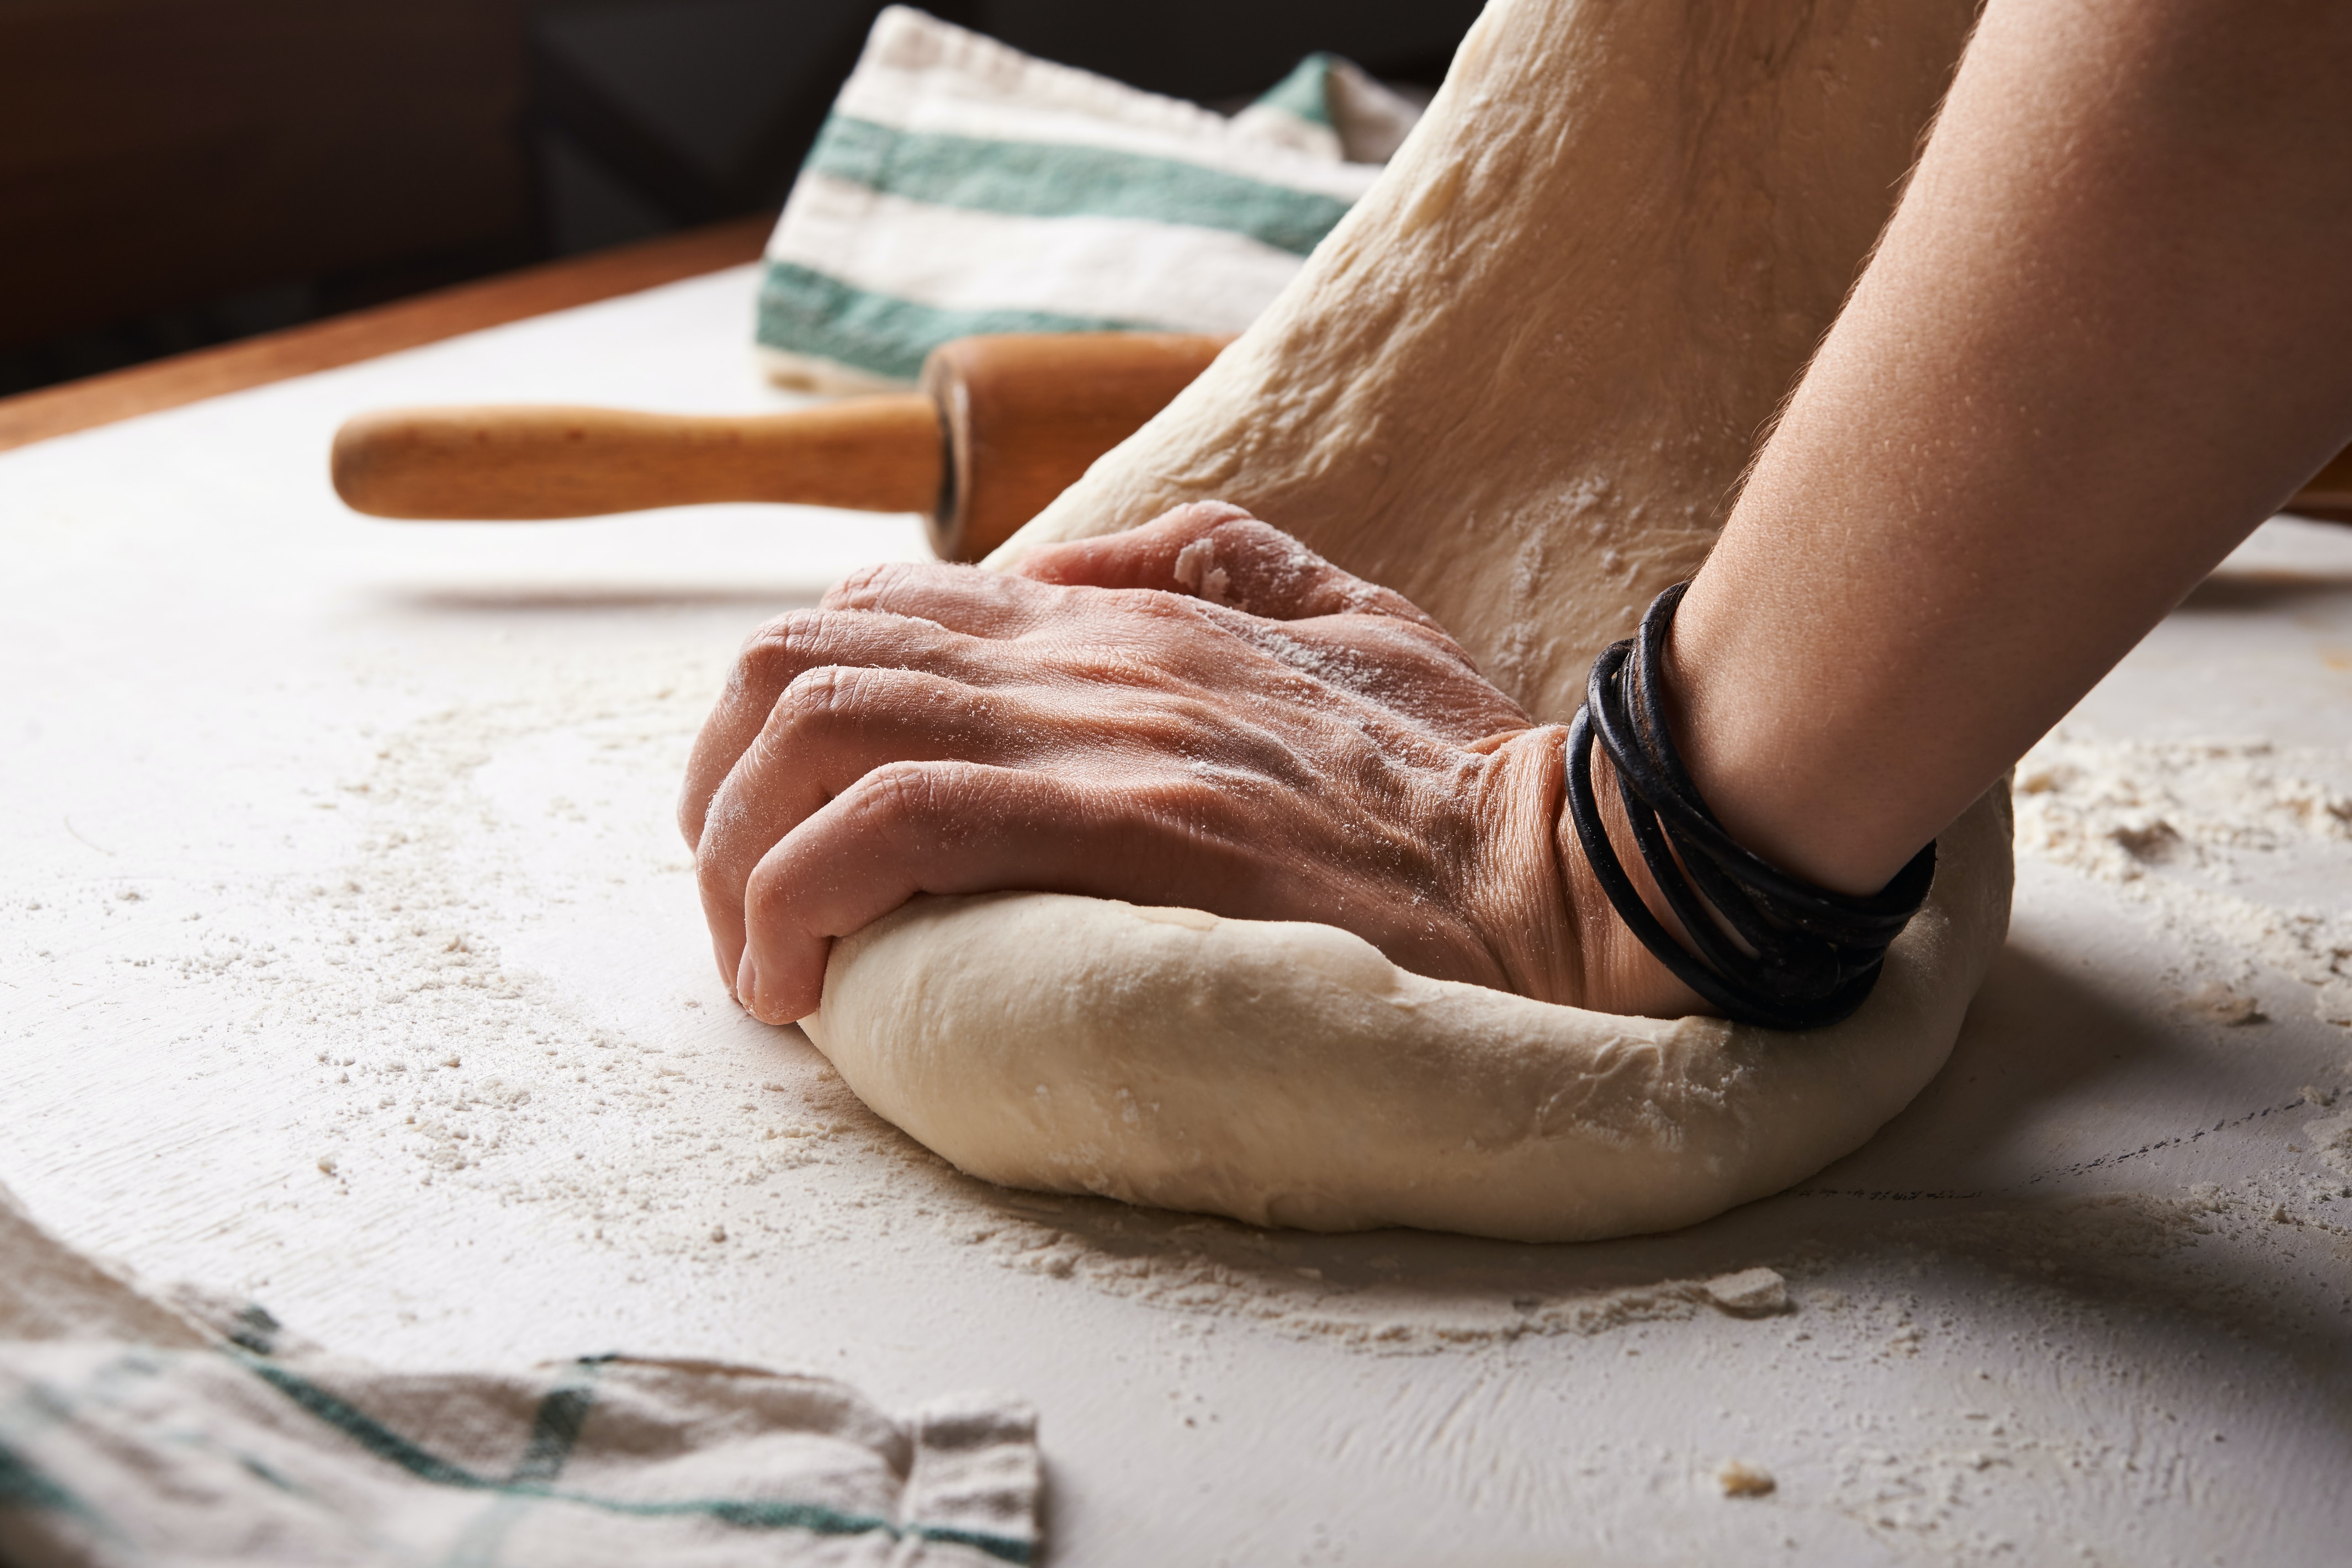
x,y
1253,535
713,860
1395,606
832,697
865,588
723,824
1202,516
906,793
905,788
779,648
811,698
767,893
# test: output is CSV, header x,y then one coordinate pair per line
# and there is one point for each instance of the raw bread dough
x,y
1288,1074
1517,383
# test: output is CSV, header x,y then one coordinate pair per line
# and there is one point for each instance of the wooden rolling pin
x,y
1001,426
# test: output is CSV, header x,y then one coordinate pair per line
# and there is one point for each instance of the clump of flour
x,y
2206,833
1751,1292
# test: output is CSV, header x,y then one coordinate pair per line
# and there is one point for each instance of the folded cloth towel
x,y
962,186
1328,107
136,1429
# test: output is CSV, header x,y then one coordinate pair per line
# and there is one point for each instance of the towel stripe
x,y
1305,93
555,1429
828,319
745,1513
554,1433
23,1487
1119,268
1035,179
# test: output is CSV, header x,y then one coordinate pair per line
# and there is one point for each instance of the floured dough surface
x,y
1288,1074
1516,385
1519,380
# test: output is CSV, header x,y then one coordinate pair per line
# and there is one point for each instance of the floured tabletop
x,y
352,960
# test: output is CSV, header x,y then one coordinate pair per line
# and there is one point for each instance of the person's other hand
x,y
1198,712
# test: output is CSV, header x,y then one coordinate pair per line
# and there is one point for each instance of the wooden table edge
x,y
36,415
185,378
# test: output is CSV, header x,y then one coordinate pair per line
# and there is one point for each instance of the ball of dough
x,y
1286,1073
1518,384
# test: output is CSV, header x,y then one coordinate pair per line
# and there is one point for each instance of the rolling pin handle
x,y
1001,426
520,463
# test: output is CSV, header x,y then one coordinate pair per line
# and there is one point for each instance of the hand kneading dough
x,y
1517,383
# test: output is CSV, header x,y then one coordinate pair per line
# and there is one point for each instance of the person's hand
x,y
1198,712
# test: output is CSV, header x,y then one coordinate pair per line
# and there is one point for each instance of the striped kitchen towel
x,y
143,1430
962,186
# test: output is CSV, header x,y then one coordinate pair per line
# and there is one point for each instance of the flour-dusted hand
x,y
1197,713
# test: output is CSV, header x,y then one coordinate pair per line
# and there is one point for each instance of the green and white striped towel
x,y
162,1432
962,186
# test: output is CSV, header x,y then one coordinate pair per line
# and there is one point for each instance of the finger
x,y
1216,552
827,730
1139,557
966,599
780,653
936,827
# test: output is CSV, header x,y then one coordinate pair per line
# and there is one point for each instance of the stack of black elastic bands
x,y
1773,948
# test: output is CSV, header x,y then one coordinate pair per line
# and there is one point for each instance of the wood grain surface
x,y
364,334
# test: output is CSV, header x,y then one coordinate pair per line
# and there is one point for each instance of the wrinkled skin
x,y
1198,712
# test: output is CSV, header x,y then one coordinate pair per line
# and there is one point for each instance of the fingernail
x,y
747,984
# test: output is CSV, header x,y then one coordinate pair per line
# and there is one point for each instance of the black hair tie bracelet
x,y
1796,955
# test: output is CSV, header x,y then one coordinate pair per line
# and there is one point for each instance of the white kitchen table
x,y
349,958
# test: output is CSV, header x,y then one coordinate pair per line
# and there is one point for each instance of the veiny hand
x,y
1199,711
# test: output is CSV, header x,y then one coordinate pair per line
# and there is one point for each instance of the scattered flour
x,y
459,1065
2330,1139
2205,833
790,1151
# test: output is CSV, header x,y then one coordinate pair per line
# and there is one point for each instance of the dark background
x,y
176,173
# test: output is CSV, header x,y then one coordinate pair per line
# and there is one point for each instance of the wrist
x,y
1764,944
1546,924
1617,972
1522,900
1760,742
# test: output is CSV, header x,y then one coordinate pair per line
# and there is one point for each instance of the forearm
x,y
2108,331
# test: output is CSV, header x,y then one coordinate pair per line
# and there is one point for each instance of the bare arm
x,y
2107,333
2109,329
